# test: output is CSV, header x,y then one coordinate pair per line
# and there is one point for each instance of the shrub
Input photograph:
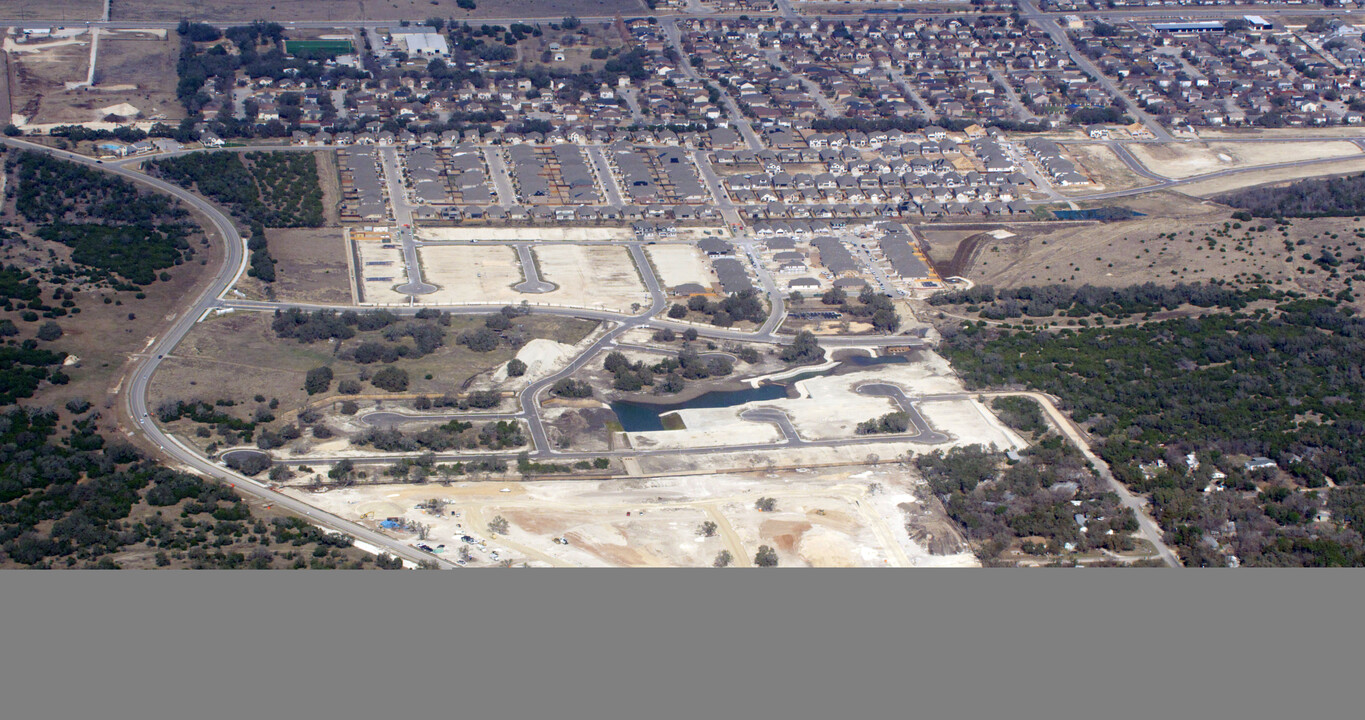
x,y
319,379
515,368
391,378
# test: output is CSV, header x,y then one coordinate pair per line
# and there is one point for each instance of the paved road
x,y
135,394
502,179
776,417
907,405
741,123
598,158
533,283
402,214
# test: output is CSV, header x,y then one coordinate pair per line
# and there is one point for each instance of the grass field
x,y
332,47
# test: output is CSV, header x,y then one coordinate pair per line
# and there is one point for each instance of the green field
x,y
318,47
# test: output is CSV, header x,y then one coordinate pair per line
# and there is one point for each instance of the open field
x,y
1218,186
53,9
134,79
518,234
1131,252
678,264
238,356
1188,159
283,10
1104,168
844,516
470,274
591,275
381,268
310,265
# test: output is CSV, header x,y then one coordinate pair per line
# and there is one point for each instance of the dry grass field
x,y
285,10
310,266
1143,249
1104,168
238,356
1182,160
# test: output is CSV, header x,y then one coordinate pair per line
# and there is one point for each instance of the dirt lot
x,y
282,10
469,274
538,234
678,264
135,77
1130,252
591,275
1188,159
310,266
846,516
1104,168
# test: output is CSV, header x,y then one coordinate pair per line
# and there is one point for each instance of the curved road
x,y
135,394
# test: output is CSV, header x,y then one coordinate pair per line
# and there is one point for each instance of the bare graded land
x,y
1182,160
1106,171
847,516
1134,252
310,267
520,234
134,78
284,10
238,356
591,276
829,407
679,264
471,274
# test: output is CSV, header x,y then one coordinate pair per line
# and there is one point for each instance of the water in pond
x,y
646,417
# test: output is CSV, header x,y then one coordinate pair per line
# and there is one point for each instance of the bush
x,y
484,399
349,386
678,312
249,464
572,389
391,378
765,557
515,368
319,379
49,331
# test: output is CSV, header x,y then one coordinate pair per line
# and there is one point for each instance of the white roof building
x,y
429,44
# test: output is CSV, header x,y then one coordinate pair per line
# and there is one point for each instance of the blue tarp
x,y
389,525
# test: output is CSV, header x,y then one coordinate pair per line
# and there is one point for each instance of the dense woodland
x,y
1286,384
1325,197
272,189
124,236
1045,504
1088,300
